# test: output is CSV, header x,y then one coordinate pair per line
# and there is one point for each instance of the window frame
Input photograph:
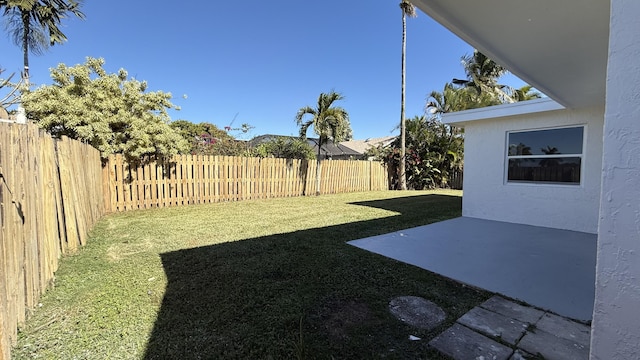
x,y
582,157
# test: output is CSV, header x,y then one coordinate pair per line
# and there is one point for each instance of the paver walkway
x,y
500,329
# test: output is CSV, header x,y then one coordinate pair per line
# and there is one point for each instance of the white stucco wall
x,y
487,195
616,317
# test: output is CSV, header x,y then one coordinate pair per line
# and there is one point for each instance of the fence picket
x,y
187,179
50,191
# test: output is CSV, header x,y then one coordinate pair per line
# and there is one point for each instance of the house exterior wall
x,y
616,329
487,195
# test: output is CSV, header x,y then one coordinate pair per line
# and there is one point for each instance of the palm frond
x,y
328,121
307,110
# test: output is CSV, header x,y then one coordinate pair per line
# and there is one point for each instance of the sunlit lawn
x,y
251,280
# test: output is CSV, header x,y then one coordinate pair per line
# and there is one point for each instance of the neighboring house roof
x,y
363,145
328,150
559,47
331,150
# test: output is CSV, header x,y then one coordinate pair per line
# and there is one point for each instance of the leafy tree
x,y
208,139
407,10
329,123
113,114
10,97
434,152
34,25
287,148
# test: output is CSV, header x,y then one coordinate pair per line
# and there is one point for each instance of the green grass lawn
x,y
269,279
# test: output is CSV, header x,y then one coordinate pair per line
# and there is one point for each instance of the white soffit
x,y
558,46
498,111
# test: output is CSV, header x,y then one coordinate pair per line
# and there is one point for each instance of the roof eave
x,y
460,118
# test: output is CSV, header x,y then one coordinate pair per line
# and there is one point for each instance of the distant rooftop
x,y
363,145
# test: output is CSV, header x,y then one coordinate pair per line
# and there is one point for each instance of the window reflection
x,y
548,156
546,142
559,170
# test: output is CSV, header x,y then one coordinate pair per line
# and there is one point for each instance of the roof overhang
x,y
558,46
460,118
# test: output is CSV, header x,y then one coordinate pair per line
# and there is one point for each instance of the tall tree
x,y
34,25
329,123
409,10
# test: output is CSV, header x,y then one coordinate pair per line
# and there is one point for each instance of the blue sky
x,y
259,62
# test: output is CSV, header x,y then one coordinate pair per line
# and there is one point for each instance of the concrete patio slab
x,y
548,268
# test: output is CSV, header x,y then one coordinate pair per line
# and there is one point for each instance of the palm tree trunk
x,y
403,177
318,167
25,46
26,23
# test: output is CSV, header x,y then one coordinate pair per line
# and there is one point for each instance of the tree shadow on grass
x,y
305,294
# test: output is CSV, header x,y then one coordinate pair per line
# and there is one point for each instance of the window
x,y
545,156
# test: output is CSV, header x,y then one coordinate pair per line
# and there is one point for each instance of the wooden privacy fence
x,y
195,179
50,197
455,180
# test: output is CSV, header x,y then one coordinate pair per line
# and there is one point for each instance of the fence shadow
x,y
286,295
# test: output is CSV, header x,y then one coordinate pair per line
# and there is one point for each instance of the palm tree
x,y
34,25
454,98
407,10
482,75
526,92
329,122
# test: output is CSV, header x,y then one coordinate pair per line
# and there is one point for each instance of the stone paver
x,y
552,347
513,310
521,355
494,325
417,311
498,329
565,328
462,343
548,335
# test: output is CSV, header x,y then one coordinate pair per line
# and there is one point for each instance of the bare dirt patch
x,y
339,318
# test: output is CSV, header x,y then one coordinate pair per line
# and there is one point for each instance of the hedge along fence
x,y
195,179
50,197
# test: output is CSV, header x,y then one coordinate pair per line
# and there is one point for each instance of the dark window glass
x,y
547,169
546,142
